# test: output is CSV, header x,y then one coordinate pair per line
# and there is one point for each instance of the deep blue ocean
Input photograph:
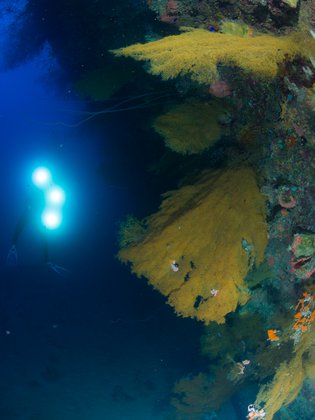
x,y
99,343
81,337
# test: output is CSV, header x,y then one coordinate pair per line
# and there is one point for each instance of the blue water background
x,y
99,344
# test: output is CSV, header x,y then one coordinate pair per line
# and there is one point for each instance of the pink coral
x,y
169,16
220,89
287,201
171,7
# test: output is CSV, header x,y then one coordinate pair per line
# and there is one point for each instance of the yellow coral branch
x,y
190,127
201,243
197,53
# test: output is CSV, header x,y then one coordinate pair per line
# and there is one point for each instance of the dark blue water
x,y
99,344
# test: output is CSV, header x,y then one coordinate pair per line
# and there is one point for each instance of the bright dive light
x,y
41,177
55,196
51,219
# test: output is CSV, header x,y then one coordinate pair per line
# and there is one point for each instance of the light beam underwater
x,y
54,195
41,177
51,218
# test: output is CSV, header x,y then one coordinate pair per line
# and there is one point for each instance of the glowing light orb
x,y
51,219
55,196
41,177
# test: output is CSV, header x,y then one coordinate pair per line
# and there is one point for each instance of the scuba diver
x,y
35,204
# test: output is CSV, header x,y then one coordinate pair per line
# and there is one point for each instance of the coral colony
x,y
237,242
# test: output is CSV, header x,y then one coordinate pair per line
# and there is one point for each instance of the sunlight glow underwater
x,y
54,197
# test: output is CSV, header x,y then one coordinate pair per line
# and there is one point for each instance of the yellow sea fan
x,y
197,53
203,228
190,127
289,378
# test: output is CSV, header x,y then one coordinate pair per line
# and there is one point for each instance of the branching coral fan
x,y
130,231
197,53
193,251
289,378
195,396
190,127
191,396
101,84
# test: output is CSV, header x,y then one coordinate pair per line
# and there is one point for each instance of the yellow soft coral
x,y
201,243
197,53
190,127
283,389
194,396
289,378
191,396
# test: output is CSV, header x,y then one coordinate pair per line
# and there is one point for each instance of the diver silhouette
x,y
33,208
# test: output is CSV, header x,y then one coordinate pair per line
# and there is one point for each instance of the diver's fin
x,y
12,258
61,271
